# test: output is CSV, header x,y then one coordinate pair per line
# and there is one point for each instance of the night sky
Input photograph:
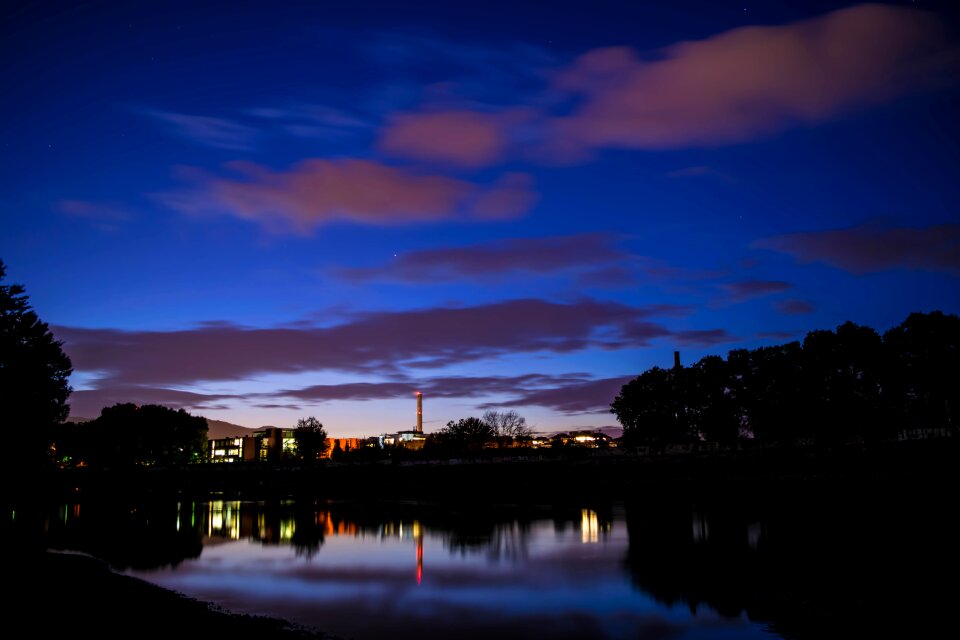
x,y
262,211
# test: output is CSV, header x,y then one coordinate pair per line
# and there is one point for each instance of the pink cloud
x,y
568,393
870,248
510,196
380,343
87,403
93,210
608,277
316,192
463,138
703,337
748,289
574,398
750,82
692,172
794,307
507,257
779,335
441,387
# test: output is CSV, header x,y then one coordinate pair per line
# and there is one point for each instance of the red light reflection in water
x,y
419,558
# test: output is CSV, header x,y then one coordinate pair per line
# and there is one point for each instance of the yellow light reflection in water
x,y
287,528
589,526
224,519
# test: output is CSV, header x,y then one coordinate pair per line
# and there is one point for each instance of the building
x,y
587,439
270,444
412,439
226,449
406,439
344,444
275,444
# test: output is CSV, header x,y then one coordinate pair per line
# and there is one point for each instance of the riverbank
x,y
531,479
50,593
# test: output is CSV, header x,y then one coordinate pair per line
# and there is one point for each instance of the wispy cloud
x,y
692,172
500,258
436,387
777,335
572,398
475,71
872,248
220,133
94,210
313,120
572,393
749,289
794,307
104,216
87,403
703,337
381,343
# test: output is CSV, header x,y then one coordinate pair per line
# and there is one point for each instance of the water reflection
x,y
358,570
436,572
810,566
803,568
127,534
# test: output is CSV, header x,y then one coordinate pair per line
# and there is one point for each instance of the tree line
x,y
833,386
130,435
494,428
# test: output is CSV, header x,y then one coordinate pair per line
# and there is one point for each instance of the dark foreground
x,y
67,593
848,542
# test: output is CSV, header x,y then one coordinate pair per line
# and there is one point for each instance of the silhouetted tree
x,y
653,408
837,386
841,382
769,390
310,439
506,426
922,377
71,443
33,377
308,535
131,532
127,434
466,433
711,402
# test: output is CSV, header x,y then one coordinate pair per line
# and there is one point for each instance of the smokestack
x,y
419,412
676,359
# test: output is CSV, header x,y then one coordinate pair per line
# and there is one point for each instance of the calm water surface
x,y
835,563
432,574
408,571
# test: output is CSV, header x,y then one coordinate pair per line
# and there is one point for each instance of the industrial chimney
x,y
676,359
419,412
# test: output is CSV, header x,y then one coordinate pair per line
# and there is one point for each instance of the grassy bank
x,y
53,594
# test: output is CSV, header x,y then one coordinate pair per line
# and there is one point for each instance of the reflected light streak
x,y
224,519
419,559
589,526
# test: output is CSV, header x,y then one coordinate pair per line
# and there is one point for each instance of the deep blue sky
x,y
261,212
